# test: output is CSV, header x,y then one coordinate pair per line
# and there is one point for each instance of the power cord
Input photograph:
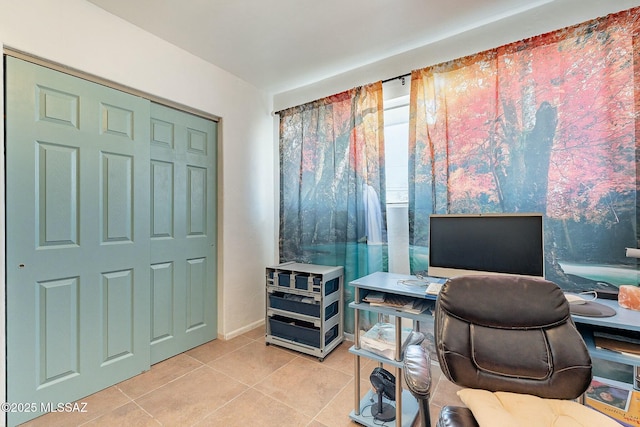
x,y
593,294
413,282
374,421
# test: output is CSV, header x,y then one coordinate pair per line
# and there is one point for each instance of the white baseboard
x,y
241,331
245,329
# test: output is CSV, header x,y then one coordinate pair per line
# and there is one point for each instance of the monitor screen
x,y
486,243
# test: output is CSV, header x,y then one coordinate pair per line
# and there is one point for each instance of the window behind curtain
x,y
396,141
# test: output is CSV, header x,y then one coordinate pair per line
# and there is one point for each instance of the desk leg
x,y
356,384
356,338
398,371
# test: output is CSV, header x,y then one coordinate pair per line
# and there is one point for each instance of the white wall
x,y
549,16
82,36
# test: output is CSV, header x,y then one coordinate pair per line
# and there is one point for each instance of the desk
x,y
624,322
390,283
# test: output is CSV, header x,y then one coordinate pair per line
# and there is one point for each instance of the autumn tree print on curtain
x,y
332,184
548,124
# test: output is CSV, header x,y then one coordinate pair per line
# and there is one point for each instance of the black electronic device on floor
x,y
384,384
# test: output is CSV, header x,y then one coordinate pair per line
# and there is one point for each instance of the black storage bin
x,y
302,282
330,335
283,279
331,286
300,331
331,310
278,301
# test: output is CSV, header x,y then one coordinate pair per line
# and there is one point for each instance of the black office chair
x,y
506,339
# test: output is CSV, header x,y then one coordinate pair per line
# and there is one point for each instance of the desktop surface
x,y
624,318
409,285
402,284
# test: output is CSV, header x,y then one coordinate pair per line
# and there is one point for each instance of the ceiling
x,y
279,45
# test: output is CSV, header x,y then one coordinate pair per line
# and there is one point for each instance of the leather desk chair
x,y
512,335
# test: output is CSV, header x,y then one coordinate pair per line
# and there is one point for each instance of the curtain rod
x,y
396,78
383,81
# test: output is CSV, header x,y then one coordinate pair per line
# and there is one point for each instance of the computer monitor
x,y
486,244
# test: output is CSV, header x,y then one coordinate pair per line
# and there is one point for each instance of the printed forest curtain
x,y
332,184
549,124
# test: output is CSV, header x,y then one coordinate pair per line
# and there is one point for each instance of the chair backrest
x,y
510,333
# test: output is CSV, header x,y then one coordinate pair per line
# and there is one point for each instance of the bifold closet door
x,y
78,248
183,231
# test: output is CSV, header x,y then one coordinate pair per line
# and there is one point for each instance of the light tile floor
x,y
239,382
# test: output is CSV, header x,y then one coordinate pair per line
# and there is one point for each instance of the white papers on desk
x,y
374,297
381,339
434,288
399,302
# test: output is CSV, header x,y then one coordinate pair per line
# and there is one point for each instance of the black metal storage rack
x,y
305,307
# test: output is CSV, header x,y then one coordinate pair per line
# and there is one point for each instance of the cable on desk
x,y
412,282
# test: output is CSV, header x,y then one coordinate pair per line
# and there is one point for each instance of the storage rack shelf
x,y
624,323
387,283
305,306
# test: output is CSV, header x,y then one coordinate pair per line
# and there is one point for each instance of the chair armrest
x,y
417,371
456,416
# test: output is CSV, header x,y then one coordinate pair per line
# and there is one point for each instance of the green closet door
x,y
78,279
183,231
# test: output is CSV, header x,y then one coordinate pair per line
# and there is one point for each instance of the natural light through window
x,y
396,140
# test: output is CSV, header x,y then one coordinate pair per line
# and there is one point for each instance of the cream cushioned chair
x,y
511,342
